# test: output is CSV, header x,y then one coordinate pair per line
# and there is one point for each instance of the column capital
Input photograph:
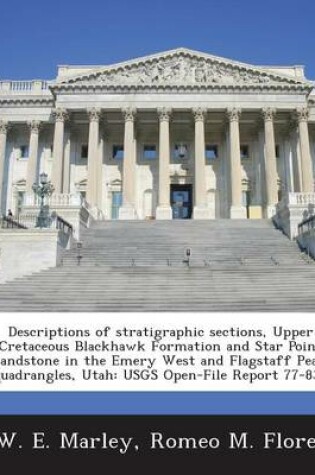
x,y
60,115
94,114
129,114
164,113
301,114
233,114
199,114
35,126
4,127
268,113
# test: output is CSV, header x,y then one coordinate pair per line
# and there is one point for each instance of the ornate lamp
x,y
43,189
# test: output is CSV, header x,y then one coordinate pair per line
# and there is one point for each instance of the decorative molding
x,y
60,115
4,127
178,71
35,126
15,101
268,113
94,114
199,114
129,113
164,113
302,114
233,114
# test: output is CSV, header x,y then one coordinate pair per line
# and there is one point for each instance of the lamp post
x,y
43,189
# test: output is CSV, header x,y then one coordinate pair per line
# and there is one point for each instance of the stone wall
x,y
26,251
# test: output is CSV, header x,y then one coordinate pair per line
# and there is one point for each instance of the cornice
x,y
16,101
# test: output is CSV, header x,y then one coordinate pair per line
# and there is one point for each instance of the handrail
x,y
62,225
8,222
306,225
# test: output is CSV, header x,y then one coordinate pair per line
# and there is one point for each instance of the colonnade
x,y
164,114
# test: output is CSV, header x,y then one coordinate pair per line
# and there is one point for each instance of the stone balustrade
x,y
56,199
25,87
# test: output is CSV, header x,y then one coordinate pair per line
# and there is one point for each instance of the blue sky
x,y
36,35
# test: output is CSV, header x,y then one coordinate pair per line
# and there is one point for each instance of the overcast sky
x,y
36,35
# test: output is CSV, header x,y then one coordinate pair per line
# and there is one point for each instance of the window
x,y
277,151
51,151
244,149
180,151
149,152
83,195
118,152
84,151
24,151
20,200
211,152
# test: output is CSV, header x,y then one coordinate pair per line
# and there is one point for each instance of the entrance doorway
x,y
181,201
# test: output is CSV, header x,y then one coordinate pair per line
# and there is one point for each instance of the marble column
x,y
127,210
270,163
302,115
164,210
237,211
92,181
61,116
201,210
32,166
3,145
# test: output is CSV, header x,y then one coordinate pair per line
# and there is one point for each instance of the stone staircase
x,y
235,265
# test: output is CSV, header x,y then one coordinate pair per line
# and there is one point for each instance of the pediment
x,y
180,70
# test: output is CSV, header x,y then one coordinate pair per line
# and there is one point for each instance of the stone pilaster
x,y
3,144
60,116
270,162
302,115
92,181
164,210
32,166
201,211
237,211
127,210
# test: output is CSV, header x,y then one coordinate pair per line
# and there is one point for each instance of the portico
x,y
237,136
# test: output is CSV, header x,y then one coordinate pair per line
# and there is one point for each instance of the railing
x,y
8,222
300,198
25,87
63,225
56,199
306,225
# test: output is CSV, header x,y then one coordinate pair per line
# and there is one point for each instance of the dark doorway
x,y
181,201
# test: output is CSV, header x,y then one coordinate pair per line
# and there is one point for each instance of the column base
x,y
238,212
127,212
164,212
270,211
202,212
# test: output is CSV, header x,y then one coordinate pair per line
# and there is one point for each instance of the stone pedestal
x,y
127,212
238,212
164,212
203,212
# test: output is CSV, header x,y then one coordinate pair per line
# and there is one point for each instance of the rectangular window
x,y
211,152
118,152
20,200
181,151
149,152
84,151
51,151
24,151
277,151
244,149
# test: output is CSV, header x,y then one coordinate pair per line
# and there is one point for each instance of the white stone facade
x,y
176,134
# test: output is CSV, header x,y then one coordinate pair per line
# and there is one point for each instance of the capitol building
x,y
175,135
